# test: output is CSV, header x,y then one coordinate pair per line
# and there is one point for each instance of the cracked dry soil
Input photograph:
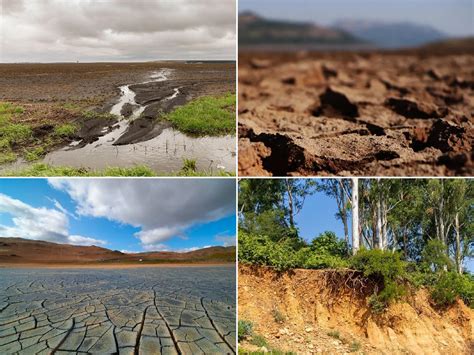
x,y
383,114
176,310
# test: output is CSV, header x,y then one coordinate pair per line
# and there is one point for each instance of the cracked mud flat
x,y
132,311
356,114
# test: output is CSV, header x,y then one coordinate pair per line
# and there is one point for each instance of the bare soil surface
x,y
134,311
327,312
369,114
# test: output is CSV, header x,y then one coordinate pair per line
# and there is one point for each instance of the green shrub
x,y
335,334
451,286
245,329
327,243
324,261
387,269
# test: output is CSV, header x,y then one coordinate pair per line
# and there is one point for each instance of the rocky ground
x,y
384,114
145,311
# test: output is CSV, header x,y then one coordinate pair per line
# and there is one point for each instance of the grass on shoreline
x,y
45,170
209,115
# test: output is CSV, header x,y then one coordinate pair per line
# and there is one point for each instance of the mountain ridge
x,y
26,251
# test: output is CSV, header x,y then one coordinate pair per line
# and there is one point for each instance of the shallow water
x,y
164,153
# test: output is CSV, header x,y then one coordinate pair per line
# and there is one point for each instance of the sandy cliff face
x,y
327,312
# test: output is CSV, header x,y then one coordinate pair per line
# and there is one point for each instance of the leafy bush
x,y
327,243
385,268
245,329
323,261
450,286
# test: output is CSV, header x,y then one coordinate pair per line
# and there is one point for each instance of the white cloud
x,y
39,223
226,240
161,208
69,30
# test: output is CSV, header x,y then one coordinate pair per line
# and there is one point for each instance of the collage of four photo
x,y
236,176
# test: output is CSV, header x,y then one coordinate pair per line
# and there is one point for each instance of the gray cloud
x,y
69,30
161,208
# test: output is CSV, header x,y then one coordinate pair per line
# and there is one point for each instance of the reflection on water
x,y
164,153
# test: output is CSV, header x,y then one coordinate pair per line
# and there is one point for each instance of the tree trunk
x,y
458,245
346,228
379,224
355,215
290,203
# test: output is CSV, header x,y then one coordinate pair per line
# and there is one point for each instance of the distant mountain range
x,y
25,251
255,30
391,35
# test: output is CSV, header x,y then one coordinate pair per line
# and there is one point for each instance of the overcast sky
x,y
454,17
121,214
116,30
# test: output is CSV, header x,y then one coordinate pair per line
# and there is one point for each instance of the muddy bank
x,y
325,311
128,100
356,114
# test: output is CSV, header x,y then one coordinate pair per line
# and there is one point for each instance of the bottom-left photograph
x,y
129,266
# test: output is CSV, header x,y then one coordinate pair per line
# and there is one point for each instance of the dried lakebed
x,y
176,310
138,138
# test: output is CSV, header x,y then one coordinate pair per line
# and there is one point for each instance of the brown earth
x,y
18,251
326,312
369,113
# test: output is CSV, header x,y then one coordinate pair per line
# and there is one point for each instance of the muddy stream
x,y
163,153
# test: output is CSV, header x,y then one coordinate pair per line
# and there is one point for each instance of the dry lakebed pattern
x,y
168,310
116,108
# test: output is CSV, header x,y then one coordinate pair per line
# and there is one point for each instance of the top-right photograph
x,y
356,88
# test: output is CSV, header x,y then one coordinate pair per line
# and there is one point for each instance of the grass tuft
x,y
207,115
65,130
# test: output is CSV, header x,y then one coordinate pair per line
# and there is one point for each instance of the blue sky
x,y
318,215
454,17
121,214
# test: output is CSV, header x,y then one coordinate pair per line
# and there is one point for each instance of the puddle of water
x,y
164,153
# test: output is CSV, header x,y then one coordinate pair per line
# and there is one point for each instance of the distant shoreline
x,y
107,265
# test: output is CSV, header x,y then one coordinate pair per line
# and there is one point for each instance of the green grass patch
x,y
66,130
209,115
258,340
34,154
42,169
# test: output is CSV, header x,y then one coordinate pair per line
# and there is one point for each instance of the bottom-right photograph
x,y
364,266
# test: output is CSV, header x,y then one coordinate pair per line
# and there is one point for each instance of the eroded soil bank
x,y
134,134
323,311
408,114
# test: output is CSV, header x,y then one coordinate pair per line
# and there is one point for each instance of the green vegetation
x,y
278,316
413,233
11,134
335,334
245,329
34,154
65,130
42,169
206,116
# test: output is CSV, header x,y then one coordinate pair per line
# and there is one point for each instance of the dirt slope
x,y
24,251
326,312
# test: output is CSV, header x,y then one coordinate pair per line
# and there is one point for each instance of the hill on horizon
x,y
257,30
391,34
26,251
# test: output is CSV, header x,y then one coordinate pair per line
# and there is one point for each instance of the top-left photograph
x,y
118,88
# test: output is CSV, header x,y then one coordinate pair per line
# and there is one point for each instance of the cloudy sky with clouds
x,y
116,30
121,214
